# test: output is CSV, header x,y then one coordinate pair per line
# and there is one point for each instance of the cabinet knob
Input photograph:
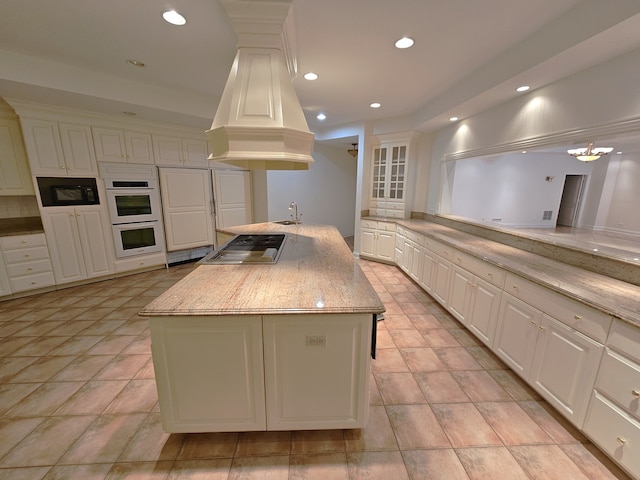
x,y
29,269
635,393
577,318
621,440
33,282
490,274
541,328
515,286
23,241
533,322
27,255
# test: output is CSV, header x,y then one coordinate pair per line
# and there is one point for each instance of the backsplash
x,y
19,206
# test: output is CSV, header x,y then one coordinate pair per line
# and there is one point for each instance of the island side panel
x,y
317,370
209,373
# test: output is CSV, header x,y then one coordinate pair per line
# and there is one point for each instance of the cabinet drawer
x,y
137,263
369,224
485,270
31,282
22,241
415,237
619,379
615,432
386,226
25,255
625,338
445,251
401,231
29,268
583,318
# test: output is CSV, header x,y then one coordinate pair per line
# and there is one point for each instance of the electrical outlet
x,y
316,340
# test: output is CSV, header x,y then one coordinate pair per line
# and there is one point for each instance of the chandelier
x,y
353,151
590,153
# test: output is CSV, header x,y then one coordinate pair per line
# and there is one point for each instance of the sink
x,y
287,222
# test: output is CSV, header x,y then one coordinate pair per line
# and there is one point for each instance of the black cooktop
x,y
255,242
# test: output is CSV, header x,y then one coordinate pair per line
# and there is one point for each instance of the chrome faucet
x,y
294,206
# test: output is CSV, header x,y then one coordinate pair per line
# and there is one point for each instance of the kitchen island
x,y
282,346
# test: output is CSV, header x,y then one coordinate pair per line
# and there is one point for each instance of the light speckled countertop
x,y
315,274
614,297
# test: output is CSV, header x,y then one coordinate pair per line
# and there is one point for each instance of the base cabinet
x,y
377,240
212,374
28,266
81,243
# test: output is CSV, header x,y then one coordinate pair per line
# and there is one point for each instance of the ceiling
x,y
468,54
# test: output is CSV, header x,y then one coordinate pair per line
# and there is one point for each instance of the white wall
x,y
325,194
512,189
606,94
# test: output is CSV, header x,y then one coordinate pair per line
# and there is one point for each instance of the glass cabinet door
x,y
379,172
397,172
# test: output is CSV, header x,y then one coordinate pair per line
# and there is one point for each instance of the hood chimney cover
x,y
259,123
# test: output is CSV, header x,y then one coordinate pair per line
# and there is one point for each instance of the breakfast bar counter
x,y
283,346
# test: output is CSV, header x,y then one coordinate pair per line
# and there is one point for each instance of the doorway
x,y
571,200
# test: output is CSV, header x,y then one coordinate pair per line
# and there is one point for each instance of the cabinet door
x,y
232,193
109,145
209,373
396,172
317,370
460,294
186,202
44,150
378,173
5,286
428,272
138,147
386,245
64,243
368,242
516,334
78,150
14,170
96,239
483,313
167,150
565,367
441,282
194,152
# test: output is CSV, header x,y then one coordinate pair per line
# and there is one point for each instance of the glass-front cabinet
x,y
388,188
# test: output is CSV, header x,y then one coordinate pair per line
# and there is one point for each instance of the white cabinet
x,y
5,286
179,151
81,242
186,207
613,419
124,146
411,261
377,240
460,294
251,372
555,359
209,373
15,178
59,148
232,196
27,263
317,371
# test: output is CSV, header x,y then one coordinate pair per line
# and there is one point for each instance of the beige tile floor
x,y
78,401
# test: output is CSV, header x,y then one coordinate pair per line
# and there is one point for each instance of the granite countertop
x,y
20,226
614,297
315,274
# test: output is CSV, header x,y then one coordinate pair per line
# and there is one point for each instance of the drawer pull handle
x,y
621,440
577,318
490,274
533,322
23,241
515,286
541,328
33,282
635,393
27,255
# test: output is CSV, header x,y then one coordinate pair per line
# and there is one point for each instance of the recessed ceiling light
x,y
174,18
524,151
404,42
453,119
375,105
618,153
523,88
310,76
321,116
135,63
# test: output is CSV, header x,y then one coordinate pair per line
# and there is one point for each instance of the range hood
x,y
259,123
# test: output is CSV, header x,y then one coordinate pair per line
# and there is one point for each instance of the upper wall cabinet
x,y
388,189
59,148
15,178
180,151
124,146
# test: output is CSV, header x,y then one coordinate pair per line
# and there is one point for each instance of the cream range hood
x,y
259,123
